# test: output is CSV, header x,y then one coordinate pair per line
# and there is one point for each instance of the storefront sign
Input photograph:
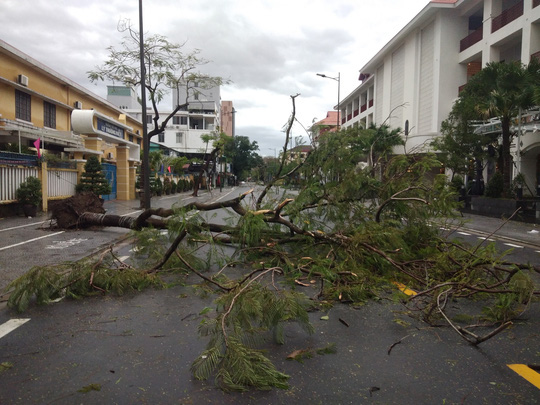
x,y
110,128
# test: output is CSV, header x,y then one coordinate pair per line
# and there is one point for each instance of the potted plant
x,y
29,195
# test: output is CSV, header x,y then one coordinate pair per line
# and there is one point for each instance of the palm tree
x,y
501,90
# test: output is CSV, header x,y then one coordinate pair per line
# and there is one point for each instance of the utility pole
x,y
146,141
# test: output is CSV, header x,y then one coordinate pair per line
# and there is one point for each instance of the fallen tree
x,y
355,233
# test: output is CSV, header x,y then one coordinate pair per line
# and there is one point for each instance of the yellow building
x,y
70,121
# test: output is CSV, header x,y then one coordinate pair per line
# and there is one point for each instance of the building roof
x,y
427,12
55,76
302,148
331,119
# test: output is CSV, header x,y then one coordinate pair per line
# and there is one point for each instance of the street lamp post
x,y
338,80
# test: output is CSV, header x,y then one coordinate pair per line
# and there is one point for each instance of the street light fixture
x,y
338,80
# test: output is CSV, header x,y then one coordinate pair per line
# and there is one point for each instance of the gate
x,y
109,170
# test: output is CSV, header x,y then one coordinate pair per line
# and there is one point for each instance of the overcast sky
x,y
269,49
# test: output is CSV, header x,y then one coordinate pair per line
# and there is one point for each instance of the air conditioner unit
x,y
22,80
78,105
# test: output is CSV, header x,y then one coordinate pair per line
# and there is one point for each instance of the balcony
x,y
363,108
507,16
471,39
355,113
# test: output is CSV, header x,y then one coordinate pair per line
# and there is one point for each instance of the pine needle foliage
x,y
75,280
244,314
93,179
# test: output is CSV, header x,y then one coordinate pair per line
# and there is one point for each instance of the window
x,y
179,120
130,138
179,137
49,115
161,137
148,119
22,106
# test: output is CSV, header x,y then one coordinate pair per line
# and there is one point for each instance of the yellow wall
x,y
46,85
52,87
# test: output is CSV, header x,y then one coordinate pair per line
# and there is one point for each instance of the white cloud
x,y
270,49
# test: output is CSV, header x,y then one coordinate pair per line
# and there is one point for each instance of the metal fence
x,y
11,178
61,182
15,168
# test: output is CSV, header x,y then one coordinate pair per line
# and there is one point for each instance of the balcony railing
x,y
343,120
507,16
363,108
536,55
349,117
471,39
370,104
536,3
355,113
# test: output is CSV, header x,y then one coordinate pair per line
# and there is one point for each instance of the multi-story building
x,y
203,114
70,122
414,79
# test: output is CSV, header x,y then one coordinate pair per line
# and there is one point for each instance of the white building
x,y
183,132
414,79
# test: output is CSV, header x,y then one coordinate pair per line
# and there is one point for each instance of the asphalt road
x,y
138,348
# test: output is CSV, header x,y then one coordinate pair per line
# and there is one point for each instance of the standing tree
x,y
93,178
459,145
501,90
167,67
244,156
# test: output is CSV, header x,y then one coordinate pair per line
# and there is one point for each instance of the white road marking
x,y
464,233
62,244
22,226
123,258
31,240
11,325
484,238
514,246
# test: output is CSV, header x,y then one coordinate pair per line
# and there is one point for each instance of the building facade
x,y
70,122
413,81
201,113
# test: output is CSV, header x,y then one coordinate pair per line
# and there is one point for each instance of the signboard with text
x,y
109,128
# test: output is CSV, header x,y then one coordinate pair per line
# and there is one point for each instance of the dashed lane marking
x,y
123,258
30,240
526,372
464,233
11,325
484,238
514,246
